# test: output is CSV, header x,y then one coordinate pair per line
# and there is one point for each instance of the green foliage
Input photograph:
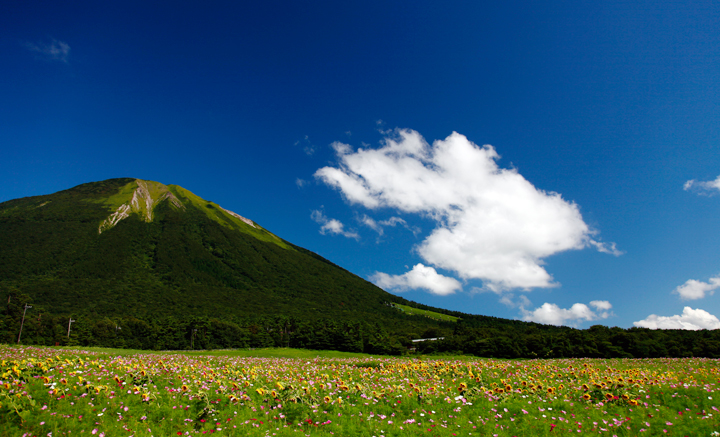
x,y
426,313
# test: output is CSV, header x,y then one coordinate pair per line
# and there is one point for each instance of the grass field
x,y
105,392
430,314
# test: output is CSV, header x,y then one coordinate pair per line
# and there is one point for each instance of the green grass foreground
x,y
110,392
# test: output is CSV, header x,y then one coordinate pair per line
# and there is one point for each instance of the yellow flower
x,y
327,399
273,394
260,391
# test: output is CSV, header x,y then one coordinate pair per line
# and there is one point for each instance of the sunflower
x,y
608,396
625,397
550,390
273,394
184,387
586,397
260,391
327,399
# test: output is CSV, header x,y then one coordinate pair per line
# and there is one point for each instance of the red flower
x,y
179,432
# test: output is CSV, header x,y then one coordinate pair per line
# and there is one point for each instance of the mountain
x,y
142,248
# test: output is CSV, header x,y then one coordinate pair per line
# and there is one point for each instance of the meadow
x,y
104,392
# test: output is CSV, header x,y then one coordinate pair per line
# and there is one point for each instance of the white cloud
x,y
551,314
300,182
55,51
692,289
378,226
703,187
690,319
601,304
492,224
332,226
419,277
509,300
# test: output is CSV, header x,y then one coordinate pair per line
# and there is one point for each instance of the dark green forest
x,y
194,278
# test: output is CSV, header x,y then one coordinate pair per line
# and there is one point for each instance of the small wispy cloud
x,y
707,188
307,146
332,226
55,51
379,226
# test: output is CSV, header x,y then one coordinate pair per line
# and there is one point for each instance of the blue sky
x,y
548,161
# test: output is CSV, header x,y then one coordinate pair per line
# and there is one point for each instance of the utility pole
x,y
70,323
23,320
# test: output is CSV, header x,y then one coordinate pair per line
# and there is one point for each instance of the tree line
x,y
480,337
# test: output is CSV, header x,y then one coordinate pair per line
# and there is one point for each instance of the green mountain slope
x,y
132,247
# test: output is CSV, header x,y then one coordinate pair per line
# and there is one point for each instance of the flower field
x,y
53,392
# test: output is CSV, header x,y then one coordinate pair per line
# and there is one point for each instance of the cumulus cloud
x,y
420,276
491,223
690,319
703,187
55,51
692,289
332,226
551,314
